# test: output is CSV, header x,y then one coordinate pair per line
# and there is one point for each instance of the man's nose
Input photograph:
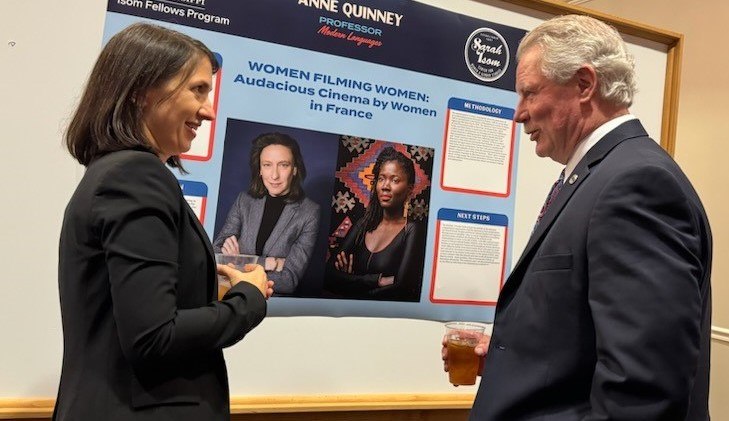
x,y
520,114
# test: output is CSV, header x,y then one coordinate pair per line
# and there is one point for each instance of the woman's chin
x,y
277,193
391,206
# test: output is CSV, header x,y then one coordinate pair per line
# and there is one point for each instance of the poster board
x,y
370,362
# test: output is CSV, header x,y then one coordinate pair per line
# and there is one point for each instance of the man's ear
x,y
586,82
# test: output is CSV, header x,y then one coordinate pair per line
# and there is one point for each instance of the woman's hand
x,y
344,262
230,246
254,275
385,281
274,264
280,261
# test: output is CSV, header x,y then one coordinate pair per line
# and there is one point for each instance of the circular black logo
x,y
487,54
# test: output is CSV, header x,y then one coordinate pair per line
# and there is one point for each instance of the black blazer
x,y
606,316
143,333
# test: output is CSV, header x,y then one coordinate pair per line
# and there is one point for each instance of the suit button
x,y
500,347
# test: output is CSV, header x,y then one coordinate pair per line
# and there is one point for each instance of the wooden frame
x,y
42,408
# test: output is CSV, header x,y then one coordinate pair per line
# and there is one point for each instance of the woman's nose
x,y
206,111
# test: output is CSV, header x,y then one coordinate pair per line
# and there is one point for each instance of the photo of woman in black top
x,y
382,255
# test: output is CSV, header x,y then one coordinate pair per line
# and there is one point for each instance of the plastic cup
x,y
238,261
463,363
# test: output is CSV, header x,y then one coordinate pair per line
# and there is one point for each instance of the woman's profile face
x,y
392,186
172,113
277,169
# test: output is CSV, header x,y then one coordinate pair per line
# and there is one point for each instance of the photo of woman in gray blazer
x,y
274,219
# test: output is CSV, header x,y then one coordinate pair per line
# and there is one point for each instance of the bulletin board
x,y
288,364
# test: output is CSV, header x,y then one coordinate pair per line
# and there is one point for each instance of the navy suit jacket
x,y
143,331
606,316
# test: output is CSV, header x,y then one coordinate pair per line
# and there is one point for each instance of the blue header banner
x,y
193,188
369,30
480,108
483,218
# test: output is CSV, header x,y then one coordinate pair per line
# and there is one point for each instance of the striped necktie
x,y
553,192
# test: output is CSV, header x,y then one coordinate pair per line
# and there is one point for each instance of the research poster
x,y
402,116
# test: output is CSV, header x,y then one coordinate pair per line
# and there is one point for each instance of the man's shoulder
x,y
641,151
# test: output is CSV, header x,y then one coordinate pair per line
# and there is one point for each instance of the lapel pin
x,y
573,178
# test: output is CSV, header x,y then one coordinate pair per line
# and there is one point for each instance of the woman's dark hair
x,y
257,188
140,57
373,213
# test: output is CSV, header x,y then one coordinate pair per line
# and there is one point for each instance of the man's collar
x,y
591,139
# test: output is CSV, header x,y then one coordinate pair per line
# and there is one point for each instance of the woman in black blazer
x,y
143,332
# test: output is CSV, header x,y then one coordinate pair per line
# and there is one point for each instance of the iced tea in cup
x,y
238,261
463,363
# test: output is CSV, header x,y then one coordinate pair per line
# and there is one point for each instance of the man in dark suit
x,y
606,315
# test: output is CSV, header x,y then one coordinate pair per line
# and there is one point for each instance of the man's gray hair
x,y
569,42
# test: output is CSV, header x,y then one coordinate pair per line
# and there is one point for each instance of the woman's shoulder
x,y
131,166
131,178
131,161
245,198
414,227
127,156
309,205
